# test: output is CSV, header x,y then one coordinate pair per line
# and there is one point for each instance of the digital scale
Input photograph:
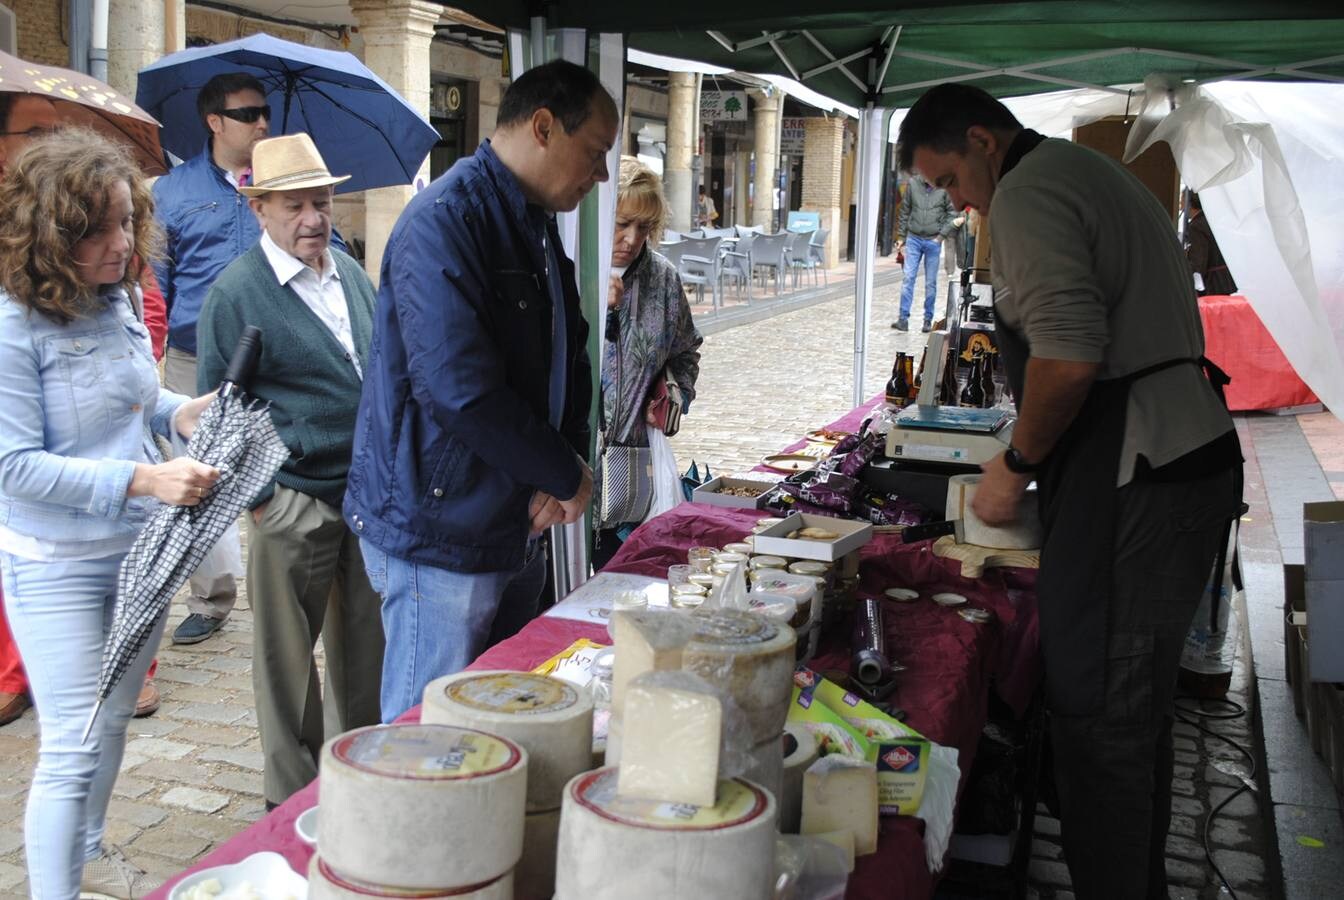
x,y
950,435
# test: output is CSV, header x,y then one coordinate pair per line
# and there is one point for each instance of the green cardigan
x,y
304,373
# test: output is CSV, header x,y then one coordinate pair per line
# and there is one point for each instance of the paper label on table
x,y
513,692
593,600
737,802
932,451
435,752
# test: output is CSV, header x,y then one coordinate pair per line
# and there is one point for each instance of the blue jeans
x,y
919,249
437,621
60,614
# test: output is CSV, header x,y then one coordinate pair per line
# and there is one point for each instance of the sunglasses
x,y
247,114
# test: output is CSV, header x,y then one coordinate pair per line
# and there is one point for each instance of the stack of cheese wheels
x,y
547,717
751,660
325,884
617,848
421,809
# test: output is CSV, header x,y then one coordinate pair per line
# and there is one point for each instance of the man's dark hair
x,y
210,101
566,89
6,104
940,118
1194,202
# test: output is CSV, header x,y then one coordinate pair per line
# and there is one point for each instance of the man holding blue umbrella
x,y
207,226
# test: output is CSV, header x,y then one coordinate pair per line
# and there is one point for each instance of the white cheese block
x,y
614,848
751,660
842,839
645,641
325,883
800,752
551,719
673,729
765,766
534,876
395,797
840,794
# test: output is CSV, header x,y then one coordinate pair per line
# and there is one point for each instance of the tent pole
x,y
872,133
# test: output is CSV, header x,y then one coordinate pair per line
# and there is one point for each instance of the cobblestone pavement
x,y
191,777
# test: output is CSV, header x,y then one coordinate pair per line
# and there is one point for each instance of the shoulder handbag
x,y
624,478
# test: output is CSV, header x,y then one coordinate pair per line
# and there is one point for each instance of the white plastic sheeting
x,y
1266,162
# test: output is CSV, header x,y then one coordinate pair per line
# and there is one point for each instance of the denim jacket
x,y
77,405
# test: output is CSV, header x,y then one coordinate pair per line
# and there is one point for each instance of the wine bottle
x,y
987,381
908,371
974,393
898,389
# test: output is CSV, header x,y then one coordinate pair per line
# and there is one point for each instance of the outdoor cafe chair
x,y
816,253
736,263
797,257
767,256
699,266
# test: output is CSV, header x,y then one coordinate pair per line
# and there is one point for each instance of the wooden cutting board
x,y
974,559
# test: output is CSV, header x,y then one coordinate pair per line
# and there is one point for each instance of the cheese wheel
x,y
800,751
393,797
325,883
766,767
613,848
534,876
549,718
751,660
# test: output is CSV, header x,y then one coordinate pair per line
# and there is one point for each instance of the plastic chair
x,y
744,230
736,263
767,253
816,252
797,257
699,266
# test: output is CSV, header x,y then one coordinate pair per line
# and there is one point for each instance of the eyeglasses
x,y
247,114
35,132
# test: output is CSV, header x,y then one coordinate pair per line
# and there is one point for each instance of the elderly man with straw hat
x,y
305,574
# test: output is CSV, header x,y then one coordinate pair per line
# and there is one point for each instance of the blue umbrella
x,y
361,126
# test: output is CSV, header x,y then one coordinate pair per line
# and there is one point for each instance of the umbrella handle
x,y
243,363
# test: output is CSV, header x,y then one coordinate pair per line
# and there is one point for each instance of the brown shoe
x,y
12,706
148,701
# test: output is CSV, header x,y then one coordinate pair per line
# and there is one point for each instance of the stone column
x,y
135,38
681,107
823,150
765,110
397,37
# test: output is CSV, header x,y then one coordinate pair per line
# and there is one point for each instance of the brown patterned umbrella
x,y
83,100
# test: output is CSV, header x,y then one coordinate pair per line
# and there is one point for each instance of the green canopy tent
x,y
882,54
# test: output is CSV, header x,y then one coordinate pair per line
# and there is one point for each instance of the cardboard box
x,y
853,535
709,492
1323,530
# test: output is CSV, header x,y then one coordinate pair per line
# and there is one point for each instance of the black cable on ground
x,y
1234,711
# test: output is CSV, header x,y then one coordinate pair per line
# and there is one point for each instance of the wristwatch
x,y
1012,458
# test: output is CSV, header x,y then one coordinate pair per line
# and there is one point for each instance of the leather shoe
x,y
12,706
901,324
196,628
148,701
927,326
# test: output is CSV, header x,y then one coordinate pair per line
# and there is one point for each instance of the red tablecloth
x,y
1236,339
950,665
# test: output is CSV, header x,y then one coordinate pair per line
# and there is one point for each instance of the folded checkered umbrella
x,y
238,438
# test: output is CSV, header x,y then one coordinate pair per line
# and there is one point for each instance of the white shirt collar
x,y
288,267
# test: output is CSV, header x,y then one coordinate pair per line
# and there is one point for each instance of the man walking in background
x,y
926,219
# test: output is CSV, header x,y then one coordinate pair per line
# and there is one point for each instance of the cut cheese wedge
x,y
549,718
645,641
393,797
324,883
800,752
840,794
613,848
751,660
673,729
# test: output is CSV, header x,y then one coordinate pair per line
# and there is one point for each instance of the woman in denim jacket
x,y
79,476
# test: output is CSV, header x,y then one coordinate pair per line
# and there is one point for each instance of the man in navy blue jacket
x,y
473,423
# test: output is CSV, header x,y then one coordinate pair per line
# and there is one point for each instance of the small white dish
x,y
902,595
949,599
305,826
268,874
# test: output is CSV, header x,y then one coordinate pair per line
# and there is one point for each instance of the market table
x,y
950,665
1236,339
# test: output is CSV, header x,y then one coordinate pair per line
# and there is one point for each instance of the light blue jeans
x,y
437,621
917,250
60,614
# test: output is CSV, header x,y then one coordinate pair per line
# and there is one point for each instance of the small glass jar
x,y
631,600
730,556
737,547
703,579
679,574
769,562
599,687
688,596
700,558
